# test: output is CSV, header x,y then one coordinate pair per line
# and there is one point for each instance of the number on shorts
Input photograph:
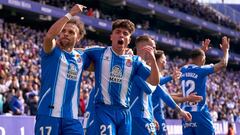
x,y
48,128
103,129
164,127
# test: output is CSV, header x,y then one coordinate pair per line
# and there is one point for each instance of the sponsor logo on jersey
x,y
72,72
116,74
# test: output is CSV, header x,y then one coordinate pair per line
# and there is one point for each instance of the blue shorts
x,y
88,123
143,126
162,123
46,125
201,124
90,130
110,120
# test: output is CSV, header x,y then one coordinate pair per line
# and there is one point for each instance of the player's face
x,y
141,45
120,38
162,62
69,35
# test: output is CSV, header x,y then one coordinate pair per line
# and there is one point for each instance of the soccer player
x,y
62,68
114,73
161,95
88,122
193,80
141,97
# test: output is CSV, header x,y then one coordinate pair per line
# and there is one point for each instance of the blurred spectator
x,y
17,103
90,12
214,113
230,129
33,104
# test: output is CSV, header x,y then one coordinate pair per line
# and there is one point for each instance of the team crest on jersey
x,y
72,72
129,62
79,60
78,57
116,74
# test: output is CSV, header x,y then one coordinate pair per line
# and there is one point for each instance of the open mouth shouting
x,y
120,41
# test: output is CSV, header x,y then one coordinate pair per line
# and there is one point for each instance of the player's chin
x,y
120,45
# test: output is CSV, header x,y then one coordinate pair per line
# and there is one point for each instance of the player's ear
x,y
129,40
79,37
111,37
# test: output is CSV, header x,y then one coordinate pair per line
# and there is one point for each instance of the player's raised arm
x,y
154,76
49,41
225,48
205,45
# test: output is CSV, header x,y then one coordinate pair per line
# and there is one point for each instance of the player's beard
x,y
65,44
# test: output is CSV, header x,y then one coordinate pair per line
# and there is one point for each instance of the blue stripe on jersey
x,y
64,98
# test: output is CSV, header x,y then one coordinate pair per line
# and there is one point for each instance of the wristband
x,y
69,16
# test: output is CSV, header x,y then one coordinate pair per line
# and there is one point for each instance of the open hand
x,y
77,8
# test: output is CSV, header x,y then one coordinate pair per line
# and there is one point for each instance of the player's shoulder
x,y
95,48
78,50
191,66
136,58
207,66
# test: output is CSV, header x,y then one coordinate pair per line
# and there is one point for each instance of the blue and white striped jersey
x,y
161,95
61,79
114,75
193,80
141,99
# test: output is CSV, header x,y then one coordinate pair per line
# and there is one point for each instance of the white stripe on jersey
x,y
60,87
76,91
125,82
105,74
146,113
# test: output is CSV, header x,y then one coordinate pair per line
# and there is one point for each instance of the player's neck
x,y
118,51
66,48
196,63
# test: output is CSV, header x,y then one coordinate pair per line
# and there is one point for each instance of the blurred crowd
x,y
20,77
192,7
197,9
98,9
